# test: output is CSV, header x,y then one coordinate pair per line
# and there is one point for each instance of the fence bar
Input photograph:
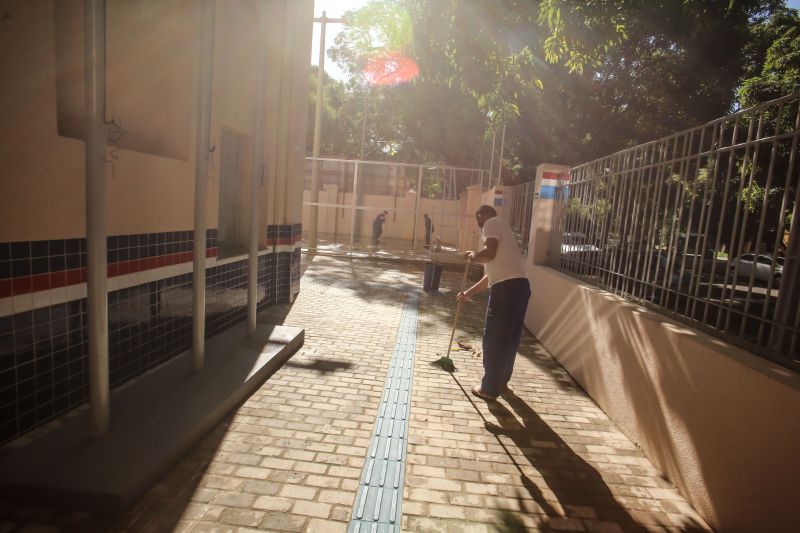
x,y
353,207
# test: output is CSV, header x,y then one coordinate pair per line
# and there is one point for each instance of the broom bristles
x,y
445,363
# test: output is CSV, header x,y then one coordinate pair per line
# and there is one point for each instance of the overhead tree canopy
x,y
571,80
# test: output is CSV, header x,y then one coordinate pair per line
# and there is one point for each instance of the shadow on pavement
x,y
570,478
321,366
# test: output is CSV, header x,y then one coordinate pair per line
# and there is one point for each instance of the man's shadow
x,y
573,481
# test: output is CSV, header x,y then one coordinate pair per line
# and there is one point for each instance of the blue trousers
x,y
505,315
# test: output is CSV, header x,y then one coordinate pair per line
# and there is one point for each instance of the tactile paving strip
x,y
378,505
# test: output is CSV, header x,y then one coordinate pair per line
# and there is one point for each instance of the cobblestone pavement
x,y
544,457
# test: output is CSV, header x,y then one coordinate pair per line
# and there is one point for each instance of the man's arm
x,y
478,287
486,254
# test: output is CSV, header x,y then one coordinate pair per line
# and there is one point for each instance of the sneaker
x,y
476,390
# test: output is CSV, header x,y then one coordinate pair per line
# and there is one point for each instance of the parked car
x,y
744,265
572,243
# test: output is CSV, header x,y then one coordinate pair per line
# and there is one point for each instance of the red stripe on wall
x,y
21,285
58,279
5,288
40,282
73,276
52,280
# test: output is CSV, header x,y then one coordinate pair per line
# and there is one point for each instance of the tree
x,y
337,125
571,80
772,67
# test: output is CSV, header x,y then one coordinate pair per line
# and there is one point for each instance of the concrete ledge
x,y
155,421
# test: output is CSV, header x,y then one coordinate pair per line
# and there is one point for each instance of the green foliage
x,y
772,58
432,189
752,197
602,207
574,206
571,80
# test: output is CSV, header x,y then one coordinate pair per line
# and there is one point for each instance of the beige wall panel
x,y
152,88
300,25
41,174
272,130
720,422
152,194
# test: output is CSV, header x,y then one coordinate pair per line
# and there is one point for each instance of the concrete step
x,y
155,420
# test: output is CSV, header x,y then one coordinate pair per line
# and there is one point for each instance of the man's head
x,y
386,212
484,213
426,215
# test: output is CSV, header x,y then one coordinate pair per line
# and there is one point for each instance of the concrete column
x,y
548,177
300,16
97,274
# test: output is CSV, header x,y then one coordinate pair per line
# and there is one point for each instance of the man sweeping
x,y
377,226
509,292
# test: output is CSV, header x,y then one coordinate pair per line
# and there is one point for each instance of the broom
x,y
445,363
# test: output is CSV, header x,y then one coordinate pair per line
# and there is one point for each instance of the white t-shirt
x,y
507,263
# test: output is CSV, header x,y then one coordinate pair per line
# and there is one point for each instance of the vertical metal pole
x,y
257,172
416,210
97,295
363,129
443,181
314,212
201,176
500,160
353,208
491,163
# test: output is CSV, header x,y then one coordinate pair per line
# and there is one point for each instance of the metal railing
x,y
701,225
406,191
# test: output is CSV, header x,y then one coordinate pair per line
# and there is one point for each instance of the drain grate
x,y
378,505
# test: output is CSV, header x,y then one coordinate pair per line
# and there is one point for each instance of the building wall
x,y
719,422
152,76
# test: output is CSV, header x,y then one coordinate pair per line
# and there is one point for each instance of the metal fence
x,y
701,225
352,193
518,211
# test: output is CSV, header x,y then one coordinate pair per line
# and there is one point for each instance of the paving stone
x,y
336,496
234,499
283,522
293,453
241,517
317,525
298,492
308,508
273,503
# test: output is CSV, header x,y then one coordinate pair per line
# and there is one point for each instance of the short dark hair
x,y
486,211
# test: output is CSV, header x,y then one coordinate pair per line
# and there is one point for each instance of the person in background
x,y
377,226
429,229
509,292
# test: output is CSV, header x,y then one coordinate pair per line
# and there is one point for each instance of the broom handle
x,y
458,311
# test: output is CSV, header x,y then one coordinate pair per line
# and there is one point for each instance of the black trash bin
x,y
431,276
